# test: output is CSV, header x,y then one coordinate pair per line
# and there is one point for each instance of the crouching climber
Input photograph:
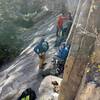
x,y
41,49
61,56
58,61
63,51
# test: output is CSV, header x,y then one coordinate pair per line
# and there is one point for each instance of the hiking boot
x,y
43,65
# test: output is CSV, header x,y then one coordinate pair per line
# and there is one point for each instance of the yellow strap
x,y
98,66
23,98
28,97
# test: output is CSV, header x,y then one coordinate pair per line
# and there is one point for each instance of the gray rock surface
x,y
23,71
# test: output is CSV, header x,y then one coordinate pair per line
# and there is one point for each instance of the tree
x,y
15,16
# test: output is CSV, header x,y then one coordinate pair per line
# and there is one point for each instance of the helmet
x,y
63,44
42,40
68,46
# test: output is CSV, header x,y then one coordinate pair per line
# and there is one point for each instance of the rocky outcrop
x,y
46,88
58,5
82,46
23,72
83,42
90,92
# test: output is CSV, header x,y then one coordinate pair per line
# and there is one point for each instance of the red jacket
x,y
60,21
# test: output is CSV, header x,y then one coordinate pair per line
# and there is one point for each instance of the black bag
x,y
28,93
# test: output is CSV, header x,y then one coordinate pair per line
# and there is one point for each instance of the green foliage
x,y
15,15
24,23
10,44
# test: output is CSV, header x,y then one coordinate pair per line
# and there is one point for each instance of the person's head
x,y
60,15
63,13
68,46
28,90
69,16
42,40
62,45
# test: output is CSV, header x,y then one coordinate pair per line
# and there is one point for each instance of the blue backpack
x,y
41,47
63,53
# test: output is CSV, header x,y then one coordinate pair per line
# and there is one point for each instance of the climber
x,y
58,61
41,49
28,94
64,23
61,57
67,25
63,51
60,24
69,16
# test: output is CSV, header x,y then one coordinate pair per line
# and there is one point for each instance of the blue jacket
x,y
63,53
41,47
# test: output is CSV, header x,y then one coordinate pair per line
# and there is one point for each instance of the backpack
x,y
41,47
45,46
63,53
67,24
28,94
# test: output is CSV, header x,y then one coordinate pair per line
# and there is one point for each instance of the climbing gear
x,y
57,68
66,28
45,46
26,98
41,49
28,94
58,65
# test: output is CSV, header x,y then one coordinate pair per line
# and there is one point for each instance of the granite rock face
x,y
23,71
85,41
